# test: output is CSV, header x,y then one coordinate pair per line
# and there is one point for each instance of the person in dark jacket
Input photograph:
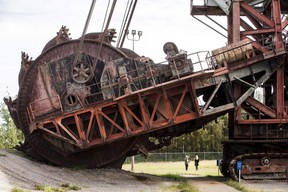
x,y
196,162
186,160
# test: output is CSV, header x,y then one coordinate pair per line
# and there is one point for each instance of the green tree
x,y
208,138
9,134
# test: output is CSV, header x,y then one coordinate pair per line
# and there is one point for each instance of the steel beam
x,y
265,109
258,16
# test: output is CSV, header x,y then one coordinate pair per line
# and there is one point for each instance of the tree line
x,y
208,138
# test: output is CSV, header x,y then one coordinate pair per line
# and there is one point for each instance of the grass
x,y
206,167
182,187
62,188
237,186
16,189
173,177
70,187
44,188
39,187
175,170
53,189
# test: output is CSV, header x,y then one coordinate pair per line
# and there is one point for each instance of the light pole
x,y
139,34
183,147
133,33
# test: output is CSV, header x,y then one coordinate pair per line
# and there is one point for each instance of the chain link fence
x,y
177,156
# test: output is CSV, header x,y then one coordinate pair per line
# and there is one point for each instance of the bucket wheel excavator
x,y
86,103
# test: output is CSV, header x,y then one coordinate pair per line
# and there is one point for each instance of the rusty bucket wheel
x,y
60,51
111,155
104,156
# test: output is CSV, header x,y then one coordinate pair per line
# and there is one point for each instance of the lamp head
x,y
140,33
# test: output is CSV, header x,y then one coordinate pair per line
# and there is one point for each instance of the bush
x,y
10,136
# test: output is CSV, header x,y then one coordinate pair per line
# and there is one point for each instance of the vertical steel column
x,y
236,112
276,11
230,27
236,21
280,92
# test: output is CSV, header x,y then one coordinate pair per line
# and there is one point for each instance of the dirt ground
x,y
266,186
20,172
207,184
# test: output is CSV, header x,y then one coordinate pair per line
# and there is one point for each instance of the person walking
x,y
196,162
186,160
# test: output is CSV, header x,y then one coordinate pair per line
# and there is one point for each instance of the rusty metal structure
x,y
85,103
256,37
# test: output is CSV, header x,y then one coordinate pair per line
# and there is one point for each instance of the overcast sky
x,y
29,25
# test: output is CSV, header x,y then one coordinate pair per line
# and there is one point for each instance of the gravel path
x,y
267,186
207,184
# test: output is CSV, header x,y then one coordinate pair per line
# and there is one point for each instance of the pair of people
x,y
187,161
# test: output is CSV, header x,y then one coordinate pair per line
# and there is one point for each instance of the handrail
x,y
48,103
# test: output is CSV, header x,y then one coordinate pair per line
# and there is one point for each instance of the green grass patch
x,y
13,151
182,187
237,185
62,188
70,187
173,177
206,167
2,155
53,189
174,171
39,187
16,189
44,188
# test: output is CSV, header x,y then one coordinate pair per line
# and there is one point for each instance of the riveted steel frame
x,y
126,116
158,107
256,26
260,25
